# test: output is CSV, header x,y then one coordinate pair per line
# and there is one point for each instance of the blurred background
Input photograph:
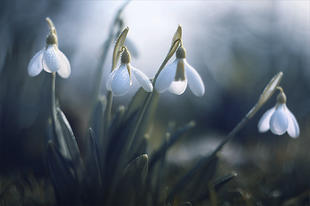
x,y
236,46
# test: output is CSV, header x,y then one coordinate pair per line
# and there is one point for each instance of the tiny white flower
x,y
120,80
175,77
50,59
279,119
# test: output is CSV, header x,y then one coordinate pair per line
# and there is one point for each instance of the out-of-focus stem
x,y
107,115
104,54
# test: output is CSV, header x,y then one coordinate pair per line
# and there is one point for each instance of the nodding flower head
x,y
279,119
120,80
50,58
175,76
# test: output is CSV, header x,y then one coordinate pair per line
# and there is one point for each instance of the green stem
x,y
147,102
107,115
53,102
206,160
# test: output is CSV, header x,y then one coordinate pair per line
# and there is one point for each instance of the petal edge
x,y
264,122
35,65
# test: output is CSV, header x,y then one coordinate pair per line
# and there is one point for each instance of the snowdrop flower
x,y
50,59
279,119
120,80
175,76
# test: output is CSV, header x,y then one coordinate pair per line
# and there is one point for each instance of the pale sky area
x,y
153,23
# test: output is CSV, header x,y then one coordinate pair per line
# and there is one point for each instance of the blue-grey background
x,y
236,46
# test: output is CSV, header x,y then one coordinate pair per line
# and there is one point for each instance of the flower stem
x,y
150,96
107,117
53,102
105,50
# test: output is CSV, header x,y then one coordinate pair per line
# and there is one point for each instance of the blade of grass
x,y
172,140
217,184
266,94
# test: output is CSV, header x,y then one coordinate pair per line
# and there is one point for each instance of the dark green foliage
x,y
118,175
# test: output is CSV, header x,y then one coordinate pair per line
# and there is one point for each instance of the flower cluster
x,y
173,78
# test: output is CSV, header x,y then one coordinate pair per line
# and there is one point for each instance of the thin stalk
x,y
99,72
53,102
105,50
184,180
147,102
107,117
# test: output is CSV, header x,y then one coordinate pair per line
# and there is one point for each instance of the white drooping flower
x,y
175,77
50,59
279,119
120,80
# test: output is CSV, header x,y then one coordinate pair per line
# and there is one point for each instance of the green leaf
x,y
155,156
145,123
203,176
97,117
67,138
62,175
217,184
118,46
117,119
93,159
136,103
183,181
131,186
92,179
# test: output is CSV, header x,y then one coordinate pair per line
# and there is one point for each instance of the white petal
x,y
52,60
65,68
293,128
279,120
264,122
166,77
110,78
194,80
143,80
121,81
178,87
35,65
